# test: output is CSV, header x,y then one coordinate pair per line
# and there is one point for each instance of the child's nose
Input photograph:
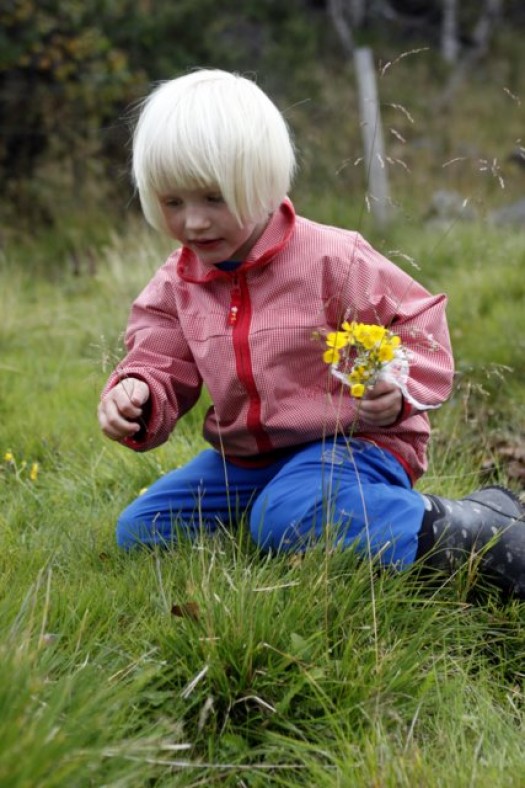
x,y
196,218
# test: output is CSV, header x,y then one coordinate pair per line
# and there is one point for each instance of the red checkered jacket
x,y
252,338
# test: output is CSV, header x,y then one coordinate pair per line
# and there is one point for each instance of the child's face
x,y
201,220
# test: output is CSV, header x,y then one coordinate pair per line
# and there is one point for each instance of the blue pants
x,y
343,492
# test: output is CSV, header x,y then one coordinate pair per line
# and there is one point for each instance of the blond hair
x,y
212,129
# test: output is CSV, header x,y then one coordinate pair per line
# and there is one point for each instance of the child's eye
x,y
171,202
215,197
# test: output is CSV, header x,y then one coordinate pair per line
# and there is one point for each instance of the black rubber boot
x,y
488,524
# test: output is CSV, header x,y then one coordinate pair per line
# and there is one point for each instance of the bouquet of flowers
x,y
360,354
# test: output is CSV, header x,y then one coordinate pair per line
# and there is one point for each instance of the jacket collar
x,y
274,238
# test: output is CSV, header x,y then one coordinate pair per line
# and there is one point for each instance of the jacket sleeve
x,y
158,354
378,291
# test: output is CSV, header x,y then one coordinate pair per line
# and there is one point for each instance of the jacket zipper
x,y
239,318
235,303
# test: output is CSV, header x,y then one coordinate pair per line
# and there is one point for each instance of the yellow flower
x,y
9,456
336,339
385,353
331,356
357,390
33,473
349,329
377,333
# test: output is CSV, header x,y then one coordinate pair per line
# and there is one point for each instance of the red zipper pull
x,y
235,303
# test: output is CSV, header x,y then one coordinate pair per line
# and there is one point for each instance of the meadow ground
x,y
212,664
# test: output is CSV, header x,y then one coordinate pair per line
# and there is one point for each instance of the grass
x,y
213,664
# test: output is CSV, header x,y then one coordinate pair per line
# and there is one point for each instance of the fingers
x,y
132,393
113,424
381,405
120,411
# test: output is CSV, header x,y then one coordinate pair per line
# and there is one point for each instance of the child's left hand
x,y
381,404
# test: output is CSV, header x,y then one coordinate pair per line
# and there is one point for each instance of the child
x,y
237,309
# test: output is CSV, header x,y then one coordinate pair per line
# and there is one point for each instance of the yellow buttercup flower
x,y
33,473
331,356
9,456
337,339
385,353
357,390
369,336
349,329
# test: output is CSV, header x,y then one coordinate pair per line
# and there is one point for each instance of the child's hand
x,y
381,404
120,411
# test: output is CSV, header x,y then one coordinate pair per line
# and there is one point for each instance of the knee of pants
x,y
132,531
138,527
261,532
284,524
125,535
142,523
386,528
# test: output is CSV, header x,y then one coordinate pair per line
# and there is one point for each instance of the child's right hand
x,y
120,411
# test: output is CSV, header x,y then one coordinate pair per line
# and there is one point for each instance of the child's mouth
x,y
206,244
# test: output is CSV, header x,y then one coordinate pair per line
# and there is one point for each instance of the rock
x,y
510,214
449,206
